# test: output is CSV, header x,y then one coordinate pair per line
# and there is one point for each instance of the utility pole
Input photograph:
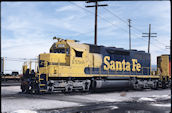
x,y
129,22
149,35
96,10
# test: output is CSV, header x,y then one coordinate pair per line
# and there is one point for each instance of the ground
x,y
146,101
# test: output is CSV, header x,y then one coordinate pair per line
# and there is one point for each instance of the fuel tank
x,y
103,84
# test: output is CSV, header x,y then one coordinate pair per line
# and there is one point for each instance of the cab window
x,y
59,50
78,53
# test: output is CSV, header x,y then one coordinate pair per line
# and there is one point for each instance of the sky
x,y
28,28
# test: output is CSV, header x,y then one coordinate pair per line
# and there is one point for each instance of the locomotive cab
x,y
59,56
63,55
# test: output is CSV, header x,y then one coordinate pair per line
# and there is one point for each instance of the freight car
x,y
71,66
14,76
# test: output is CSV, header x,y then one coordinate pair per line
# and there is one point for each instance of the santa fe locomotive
x,y
71,66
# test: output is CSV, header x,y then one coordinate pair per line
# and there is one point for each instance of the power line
x,y
154,38
20,59
81,7
159,42
138,37
91,31
169,47
134,28
100,17
124,21
127,24
116,16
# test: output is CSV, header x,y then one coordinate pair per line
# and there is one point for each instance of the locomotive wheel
x,y
63,91
69,89
86,87
25,88
22,88
137,87
35,89
156,86
164,85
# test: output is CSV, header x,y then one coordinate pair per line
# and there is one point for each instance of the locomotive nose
x,y
49,63
47,59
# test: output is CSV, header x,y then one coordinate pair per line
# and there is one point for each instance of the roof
x,y
77,46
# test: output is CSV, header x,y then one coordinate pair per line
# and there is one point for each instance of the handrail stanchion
x,y
58,66
90,70
100,70
142,70
108,71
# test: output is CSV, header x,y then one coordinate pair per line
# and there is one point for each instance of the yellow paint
x,y
112,65
128,66
138,67
24,68
106,67
118,66
163,66
30,66
123,64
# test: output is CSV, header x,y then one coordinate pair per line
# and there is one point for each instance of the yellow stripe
x,y
92,75
43,90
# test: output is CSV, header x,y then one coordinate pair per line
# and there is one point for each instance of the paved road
x,y
147,101
115,107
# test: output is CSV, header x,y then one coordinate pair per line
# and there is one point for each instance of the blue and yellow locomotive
x,y
83,67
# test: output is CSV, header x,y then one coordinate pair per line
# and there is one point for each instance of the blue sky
x,y
27,28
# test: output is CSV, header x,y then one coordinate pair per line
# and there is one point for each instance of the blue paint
x,y
119,54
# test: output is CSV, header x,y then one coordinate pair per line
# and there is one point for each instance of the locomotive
x,y
71,66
